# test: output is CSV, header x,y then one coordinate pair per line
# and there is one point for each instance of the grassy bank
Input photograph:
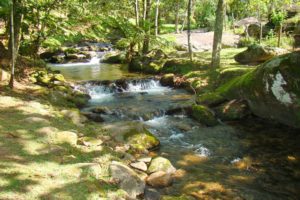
x,y
39,154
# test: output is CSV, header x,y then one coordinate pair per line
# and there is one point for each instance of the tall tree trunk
x,y
17,21
177,17
156,17
189,29
137,13
147,27
279,35
12,38
218,33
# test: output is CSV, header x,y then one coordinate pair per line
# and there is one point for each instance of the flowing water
x,y
239,160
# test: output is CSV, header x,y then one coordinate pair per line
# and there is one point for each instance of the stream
x,y
238,160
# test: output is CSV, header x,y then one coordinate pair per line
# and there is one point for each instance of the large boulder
x,y
161,164
272,90
151,63
204,115
160,179
128,179
256,54
114,58
232,110
141,140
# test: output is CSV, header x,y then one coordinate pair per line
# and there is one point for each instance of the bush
x,y
52,44
246,42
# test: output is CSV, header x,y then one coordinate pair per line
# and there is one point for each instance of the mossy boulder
x,y
258,54
48,79
210,99
231,73
151,63
168,80
161,164
232,110
141,140
78,98
204,115
114,58
181,65
272,90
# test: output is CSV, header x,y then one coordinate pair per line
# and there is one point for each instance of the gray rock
x,y
161,164
129,181
151,194
139,165
258,54
160,179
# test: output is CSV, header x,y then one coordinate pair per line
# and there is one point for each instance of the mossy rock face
x,y
204,115
232,110
151,63
272,90
258,54
210,99
114,58
183,197
141,140
231,73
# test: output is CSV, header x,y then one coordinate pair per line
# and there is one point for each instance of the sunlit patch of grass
x,y
31,167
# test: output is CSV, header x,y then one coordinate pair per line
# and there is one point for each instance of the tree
x,y
177,16
12,43
218,33
189,29
156,17
147,26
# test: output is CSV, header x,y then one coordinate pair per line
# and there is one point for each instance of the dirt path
x,y
203,41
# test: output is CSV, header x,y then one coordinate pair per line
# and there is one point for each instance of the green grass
x,y
32,166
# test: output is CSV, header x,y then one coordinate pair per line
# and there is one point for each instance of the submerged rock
x,y
129,181
161,164
204,115
272,90
258,54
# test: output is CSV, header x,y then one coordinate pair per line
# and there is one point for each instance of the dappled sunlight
x,y
191,159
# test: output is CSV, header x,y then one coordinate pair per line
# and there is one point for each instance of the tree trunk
x,y
12,38
177,17
156,17
218,33
137,13
17,21
147,27
189,29
279,35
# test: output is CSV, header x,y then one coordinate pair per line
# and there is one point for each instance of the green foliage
x,y
278,17
51,43
246,42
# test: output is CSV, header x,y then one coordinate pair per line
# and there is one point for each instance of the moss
x,y
210,99
114,58
204,115
182,66
228,74
141,140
